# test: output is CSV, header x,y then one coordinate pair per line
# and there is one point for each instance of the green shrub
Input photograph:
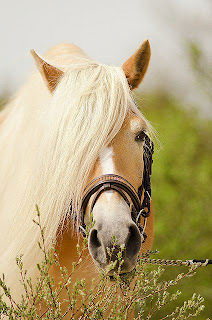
x,y
181,187
140,292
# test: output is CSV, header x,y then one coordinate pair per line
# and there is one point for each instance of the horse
x,y
73,121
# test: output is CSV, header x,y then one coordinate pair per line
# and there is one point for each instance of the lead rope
x,y
178,263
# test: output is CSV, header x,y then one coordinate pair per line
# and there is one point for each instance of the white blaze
x,y
112,211
106,160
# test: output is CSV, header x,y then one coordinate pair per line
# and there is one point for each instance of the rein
x,y
132,197
178,263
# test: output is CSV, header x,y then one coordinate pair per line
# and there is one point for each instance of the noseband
x,y
132,197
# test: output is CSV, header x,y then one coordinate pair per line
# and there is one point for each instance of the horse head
x,y
115,185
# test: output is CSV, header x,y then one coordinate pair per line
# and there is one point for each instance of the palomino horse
x,y
75,120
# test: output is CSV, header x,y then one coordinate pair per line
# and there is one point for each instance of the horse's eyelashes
x,y
140,136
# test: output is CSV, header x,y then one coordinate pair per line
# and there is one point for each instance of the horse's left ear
x,y
136,66
50,74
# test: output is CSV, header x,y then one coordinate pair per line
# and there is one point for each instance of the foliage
x,y
140,291
181,183
200,66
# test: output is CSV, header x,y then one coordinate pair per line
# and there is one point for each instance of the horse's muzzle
x,y
105,247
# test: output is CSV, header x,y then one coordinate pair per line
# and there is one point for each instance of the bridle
x,y
138,207
132,197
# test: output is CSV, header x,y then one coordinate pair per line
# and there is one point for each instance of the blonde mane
x,y
48,146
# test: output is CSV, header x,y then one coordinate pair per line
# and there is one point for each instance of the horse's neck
x,y
66,249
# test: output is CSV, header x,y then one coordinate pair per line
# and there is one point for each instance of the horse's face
x,y
111,214
124,157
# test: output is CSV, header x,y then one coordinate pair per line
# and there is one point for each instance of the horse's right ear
x,y
136,66
50,74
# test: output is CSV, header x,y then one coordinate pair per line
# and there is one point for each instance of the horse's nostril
x,y
98,242
133,243
94,241
96,248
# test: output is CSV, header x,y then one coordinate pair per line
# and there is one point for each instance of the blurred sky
x,y
110,31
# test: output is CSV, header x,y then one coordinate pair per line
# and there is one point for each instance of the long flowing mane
x,y
48,146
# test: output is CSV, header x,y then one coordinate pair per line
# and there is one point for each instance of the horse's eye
x,y
140,136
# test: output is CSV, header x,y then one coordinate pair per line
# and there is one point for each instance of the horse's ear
x,y
50,74
136,66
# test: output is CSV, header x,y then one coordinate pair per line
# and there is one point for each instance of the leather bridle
x,y
132,197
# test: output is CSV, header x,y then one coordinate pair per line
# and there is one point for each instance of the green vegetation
x,y
181,183
141,292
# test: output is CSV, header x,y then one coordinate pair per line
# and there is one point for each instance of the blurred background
x,y
175,96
